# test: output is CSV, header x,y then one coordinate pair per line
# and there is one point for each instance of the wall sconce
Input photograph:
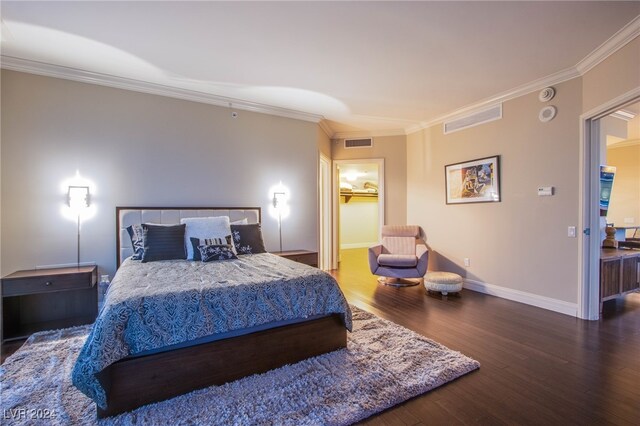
x,y
78,198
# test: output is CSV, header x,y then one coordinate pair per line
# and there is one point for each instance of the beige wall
x,y
141,150
393,149
521,242
358,222
625,197
616,75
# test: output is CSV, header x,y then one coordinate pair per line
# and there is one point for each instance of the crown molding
x,y
57,71
326,128
508,95
369,134
609,47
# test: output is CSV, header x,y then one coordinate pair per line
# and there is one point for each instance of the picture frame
x,y
473,181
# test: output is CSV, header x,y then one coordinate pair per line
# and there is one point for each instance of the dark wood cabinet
x,y
303,256
630,273
46,299
619,273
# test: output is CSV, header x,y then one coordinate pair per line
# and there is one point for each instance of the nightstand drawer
x,y
43,282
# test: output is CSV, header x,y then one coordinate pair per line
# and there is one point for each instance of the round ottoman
x,y
444,282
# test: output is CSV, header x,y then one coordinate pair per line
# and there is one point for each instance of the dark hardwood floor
x,y
537,367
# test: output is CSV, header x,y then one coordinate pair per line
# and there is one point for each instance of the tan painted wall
x,y
616,75
625,197
394,151
359,222
520,243
140,150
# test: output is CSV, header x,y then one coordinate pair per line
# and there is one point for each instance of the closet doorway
x,y
358,207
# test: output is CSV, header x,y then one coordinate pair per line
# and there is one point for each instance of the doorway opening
x,y
359,208
610,197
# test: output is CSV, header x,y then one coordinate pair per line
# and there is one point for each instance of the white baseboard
x,y
358,245
523,297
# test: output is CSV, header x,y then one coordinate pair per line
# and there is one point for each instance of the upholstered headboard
x,y
127,216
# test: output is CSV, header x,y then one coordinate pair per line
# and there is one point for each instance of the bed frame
x,y
136,381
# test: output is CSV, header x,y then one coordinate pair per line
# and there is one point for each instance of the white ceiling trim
x,y
326,128
369,134
50,70
525,89
617,41
609,47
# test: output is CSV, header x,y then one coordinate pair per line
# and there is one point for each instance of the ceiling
x,y
362,66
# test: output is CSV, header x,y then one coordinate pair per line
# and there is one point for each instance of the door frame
x,y
589,197
336,200
324,201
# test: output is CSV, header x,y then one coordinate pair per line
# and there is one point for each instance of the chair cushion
x,y
398,260
399,245
401,231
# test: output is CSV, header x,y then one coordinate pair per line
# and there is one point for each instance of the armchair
x,y
401,259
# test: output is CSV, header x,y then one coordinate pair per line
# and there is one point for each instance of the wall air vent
x,y
474,119
358,143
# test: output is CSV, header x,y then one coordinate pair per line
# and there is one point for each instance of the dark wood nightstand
x,y
303,256
46,299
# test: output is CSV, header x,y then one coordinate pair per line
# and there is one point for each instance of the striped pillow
x,y
197,242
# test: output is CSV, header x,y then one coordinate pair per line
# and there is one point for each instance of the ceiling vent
x,y
474,119
358,143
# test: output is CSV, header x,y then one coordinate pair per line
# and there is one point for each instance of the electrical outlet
x,y
571,232
467,261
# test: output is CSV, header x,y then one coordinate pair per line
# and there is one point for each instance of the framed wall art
x,y
475,181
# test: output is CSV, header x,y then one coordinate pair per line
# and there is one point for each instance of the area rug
x,y
383,365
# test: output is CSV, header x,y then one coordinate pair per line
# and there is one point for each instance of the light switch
x,y
545,191
571,231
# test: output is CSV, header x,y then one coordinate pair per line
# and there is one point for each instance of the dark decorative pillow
x,y
248,238
137,241
163,242
197,242
216,252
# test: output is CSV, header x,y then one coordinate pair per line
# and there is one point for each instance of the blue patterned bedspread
x,y
156,304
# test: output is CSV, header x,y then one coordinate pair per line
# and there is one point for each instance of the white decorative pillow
x,y
204,227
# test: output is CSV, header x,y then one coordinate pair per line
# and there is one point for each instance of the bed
x,y
173,326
